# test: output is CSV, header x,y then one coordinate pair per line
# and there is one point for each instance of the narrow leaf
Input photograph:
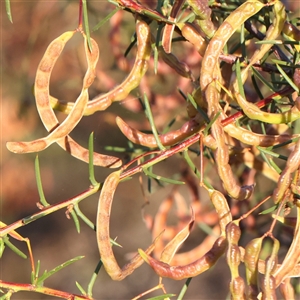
x,y
162,297
75,219
86,24
103,21
157,177
91,162
39,182
8,10
287,78
13,247
151,121
46,274
82,291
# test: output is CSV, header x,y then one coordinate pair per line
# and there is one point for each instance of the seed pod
x,y
120,92
268,281
237,288
190,33
203,12
287,289
191,270
210,73
251,259
59,132
167,139
292,257
285,178
221,205
171,248
268,287
102,230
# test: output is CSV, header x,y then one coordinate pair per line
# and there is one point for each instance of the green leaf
x,y
86,24
199,109
269,152
263,80
160,178
82,291
75,219
162,297
151,121
287,78
103,21
205,131
239,78
46,274
91,161
2,247
269,210
13,247
39,182
6,296
83,217
8,10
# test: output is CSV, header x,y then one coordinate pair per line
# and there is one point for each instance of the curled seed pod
x,y
41,90
167,139
185,258
120,92
102,230
210,72
255,139
191,270
222,35
231,186
221,205
192,126
251,259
